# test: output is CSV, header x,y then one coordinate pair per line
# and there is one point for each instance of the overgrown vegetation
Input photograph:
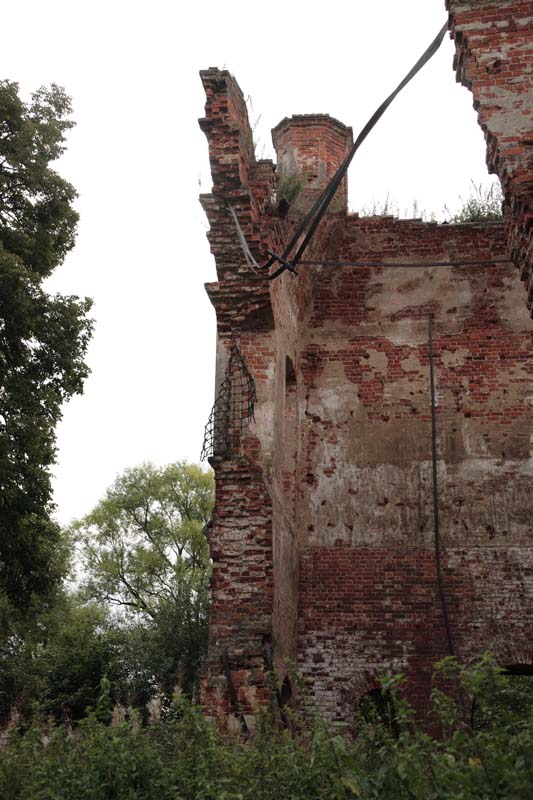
x,y
145,554
43,343
483,204
391,208
143,546
487,755
289,187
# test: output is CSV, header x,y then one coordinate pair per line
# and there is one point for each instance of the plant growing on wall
x,y
484,204
289,187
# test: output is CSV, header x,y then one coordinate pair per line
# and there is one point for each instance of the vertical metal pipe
x,y
440,586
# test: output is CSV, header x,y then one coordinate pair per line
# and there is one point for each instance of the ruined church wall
x,y
309,149
367,584
365,361
322,533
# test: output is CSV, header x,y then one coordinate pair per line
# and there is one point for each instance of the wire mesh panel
x,y
233,408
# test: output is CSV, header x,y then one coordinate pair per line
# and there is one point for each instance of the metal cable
x,y
250,260
419,264
319,208
438,565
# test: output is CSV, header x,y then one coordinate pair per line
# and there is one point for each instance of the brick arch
x,y
515,655
494,61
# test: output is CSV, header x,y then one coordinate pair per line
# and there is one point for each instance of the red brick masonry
x,y
322,538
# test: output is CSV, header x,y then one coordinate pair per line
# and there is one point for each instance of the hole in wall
x,y
507,702
286,692
377,706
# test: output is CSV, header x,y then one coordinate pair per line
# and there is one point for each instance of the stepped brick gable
x,y
322,538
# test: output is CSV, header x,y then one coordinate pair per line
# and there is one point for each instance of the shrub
x,y
186,757
484,204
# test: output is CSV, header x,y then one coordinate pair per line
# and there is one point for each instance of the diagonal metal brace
x,y
310,222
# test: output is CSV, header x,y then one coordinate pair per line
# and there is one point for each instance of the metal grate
x,y
233,408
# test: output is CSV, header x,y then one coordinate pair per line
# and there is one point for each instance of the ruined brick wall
x,y
312,148
253,539
367,583
322,538
240,537
494,59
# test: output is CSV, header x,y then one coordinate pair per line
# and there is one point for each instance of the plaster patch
x,y
478,469
411,363
378,360
454,358
432,287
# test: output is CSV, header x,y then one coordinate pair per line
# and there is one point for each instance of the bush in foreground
x,y
485,754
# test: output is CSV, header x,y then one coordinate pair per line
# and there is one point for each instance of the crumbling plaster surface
x,y
322,539
367,598
367,427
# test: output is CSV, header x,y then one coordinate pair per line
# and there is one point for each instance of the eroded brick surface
x,y
322,539
494,59
369,608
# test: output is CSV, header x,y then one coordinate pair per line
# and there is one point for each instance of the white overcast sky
x,y
139,160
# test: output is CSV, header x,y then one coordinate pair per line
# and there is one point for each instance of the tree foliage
x,y
43,338
54,660
37,220
145,552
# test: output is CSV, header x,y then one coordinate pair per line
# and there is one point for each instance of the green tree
x,y
145,552
43,338
54,660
